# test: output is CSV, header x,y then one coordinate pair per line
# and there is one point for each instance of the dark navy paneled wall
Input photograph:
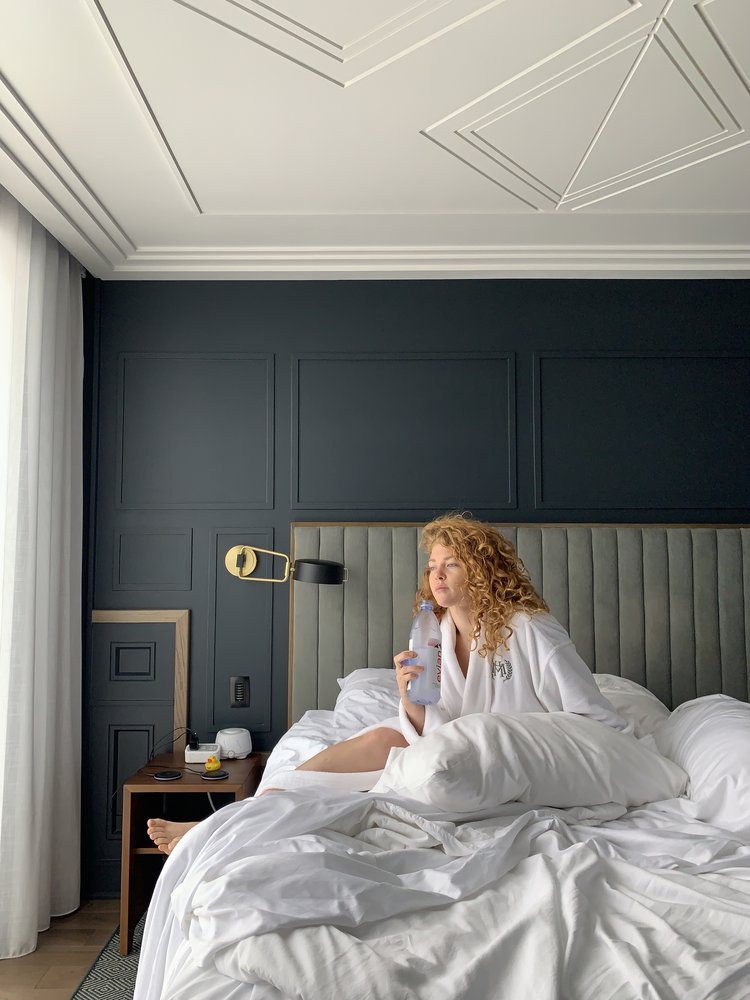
x,y
224,410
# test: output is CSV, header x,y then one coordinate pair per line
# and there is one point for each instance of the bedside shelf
x,y
139,873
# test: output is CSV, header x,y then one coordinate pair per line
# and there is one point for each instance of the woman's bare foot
x,y
166,834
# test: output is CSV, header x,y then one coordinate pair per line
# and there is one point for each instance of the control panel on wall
x,y
239,692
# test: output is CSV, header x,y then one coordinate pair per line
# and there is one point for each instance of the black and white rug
x,y
112,976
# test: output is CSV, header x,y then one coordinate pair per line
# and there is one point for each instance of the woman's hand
x,y
406,672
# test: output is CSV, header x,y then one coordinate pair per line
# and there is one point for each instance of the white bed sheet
x,y
316,730
312,896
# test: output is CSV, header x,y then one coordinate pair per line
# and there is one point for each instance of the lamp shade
x,y
320,571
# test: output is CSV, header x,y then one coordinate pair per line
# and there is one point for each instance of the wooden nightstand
x,y
141,861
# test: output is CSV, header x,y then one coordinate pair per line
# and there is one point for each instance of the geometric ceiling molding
x,y
613,64
45,169
396,29
644,84
709,129
573,107
104,24
340,41
732,19
562,113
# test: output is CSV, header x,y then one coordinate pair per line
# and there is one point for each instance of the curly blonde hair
x,y
498,584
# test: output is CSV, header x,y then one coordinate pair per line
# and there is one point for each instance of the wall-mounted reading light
x,y
241,561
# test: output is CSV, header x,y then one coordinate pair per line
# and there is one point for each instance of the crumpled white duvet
x,y
365,897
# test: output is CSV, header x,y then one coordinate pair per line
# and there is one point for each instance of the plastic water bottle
x,y
425,639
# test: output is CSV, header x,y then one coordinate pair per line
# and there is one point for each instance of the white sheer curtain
x,y
41,407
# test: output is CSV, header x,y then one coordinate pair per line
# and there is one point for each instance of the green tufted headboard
x,y
667,606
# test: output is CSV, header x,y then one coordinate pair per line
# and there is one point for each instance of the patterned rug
x,y
112,976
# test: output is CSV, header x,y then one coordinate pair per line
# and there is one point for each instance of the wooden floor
x,y
63,956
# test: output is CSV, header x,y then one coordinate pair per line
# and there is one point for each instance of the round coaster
x,y
215,775
167,775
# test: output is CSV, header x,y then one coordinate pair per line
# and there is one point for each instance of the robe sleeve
x,y
567,685
434,716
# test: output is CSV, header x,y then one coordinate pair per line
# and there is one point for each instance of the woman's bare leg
x,y
166,833
367,752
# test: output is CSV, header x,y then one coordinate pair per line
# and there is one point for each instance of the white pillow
x,y
368,677
541,758
634,702
710,738
368,696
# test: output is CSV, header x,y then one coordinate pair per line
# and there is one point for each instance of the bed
x,y
452,878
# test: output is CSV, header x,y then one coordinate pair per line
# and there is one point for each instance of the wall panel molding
x,y
240,632
624,406
132,661
169,550
181,621
124,744
349,449
218,417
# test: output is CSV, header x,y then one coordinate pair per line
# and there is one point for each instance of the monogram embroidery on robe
x,y
502,667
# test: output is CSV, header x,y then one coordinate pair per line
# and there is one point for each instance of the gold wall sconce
x,y
242,560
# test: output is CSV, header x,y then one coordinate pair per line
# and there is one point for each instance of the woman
x,y
502,652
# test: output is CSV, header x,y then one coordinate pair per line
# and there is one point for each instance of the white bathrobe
x,y
540,671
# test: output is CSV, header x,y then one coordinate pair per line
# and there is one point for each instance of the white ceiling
x,y
397,138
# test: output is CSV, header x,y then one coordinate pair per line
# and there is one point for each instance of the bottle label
x,y
430,658
439,661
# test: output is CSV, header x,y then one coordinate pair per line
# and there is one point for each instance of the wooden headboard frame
x,y
667,606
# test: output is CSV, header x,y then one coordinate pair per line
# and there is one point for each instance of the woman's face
x,y
447,578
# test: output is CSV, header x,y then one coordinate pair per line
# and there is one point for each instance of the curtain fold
x,y
41,503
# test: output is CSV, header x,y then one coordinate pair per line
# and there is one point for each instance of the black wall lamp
x,y
242,560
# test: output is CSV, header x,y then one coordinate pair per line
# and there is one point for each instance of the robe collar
x,y
463,695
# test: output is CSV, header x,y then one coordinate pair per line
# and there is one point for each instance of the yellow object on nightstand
x,y
212,763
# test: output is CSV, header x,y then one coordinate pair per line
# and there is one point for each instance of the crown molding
x,y
376,246
436,262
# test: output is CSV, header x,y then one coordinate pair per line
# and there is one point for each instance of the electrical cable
x,y
148,766
191,734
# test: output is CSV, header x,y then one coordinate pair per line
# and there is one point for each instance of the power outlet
x,y
239,692
201,753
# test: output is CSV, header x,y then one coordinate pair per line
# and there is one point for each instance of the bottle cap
x,y
425,605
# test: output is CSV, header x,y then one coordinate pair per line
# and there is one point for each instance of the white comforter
x,y
371,897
